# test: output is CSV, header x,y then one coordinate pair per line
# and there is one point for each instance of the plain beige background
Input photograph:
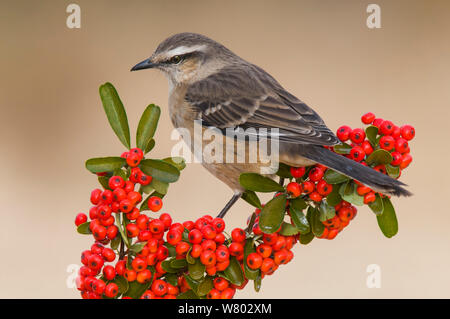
x,y
322,51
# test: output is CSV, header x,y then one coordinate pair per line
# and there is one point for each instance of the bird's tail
x,y
377,181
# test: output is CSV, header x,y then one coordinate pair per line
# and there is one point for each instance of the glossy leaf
x,y
171,249
166,265
160,170
136,290
259,183
115,243
379,157
84,228
115,112
137,247
371,134
178,263
150,146
348,193
298,203
326,211
189,294
300,221
122,283
284,171
333,177
104,164
177,161
147,126
234,272
205,286
272,214
288,229
103,180
196,270
393,171
316,225
334,197
342,148
388,220
160,187
172,279
377,206
251,198
257,283
305,239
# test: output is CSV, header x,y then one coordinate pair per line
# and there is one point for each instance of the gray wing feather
x,y
246,96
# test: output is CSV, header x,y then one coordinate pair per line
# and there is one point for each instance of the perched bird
x,y
209,82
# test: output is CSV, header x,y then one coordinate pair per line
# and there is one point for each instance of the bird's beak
x,y
146,64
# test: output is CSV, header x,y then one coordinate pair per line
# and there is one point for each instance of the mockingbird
x,y
208,82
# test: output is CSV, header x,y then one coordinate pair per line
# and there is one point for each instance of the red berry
x,y
396,158
367,147
144,179
116,182
297,172
254,261
401,145
208,257
377,122
156,226
315,174
294,189
357,135
407,159
132,230
173,237
315,196
343,133
386,128
357,153
368,118
308,187
387,142
407,132
323,188
396,132
133,160
159,287
238,235
218,224
369,198
96,196
138,152
80,219
154,203
236,249
111,290
195,236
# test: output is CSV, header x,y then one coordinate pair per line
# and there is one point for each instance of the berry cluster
x,y
138,255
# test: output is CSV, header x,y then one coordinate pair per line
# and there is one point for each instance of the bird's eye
x,y
175,60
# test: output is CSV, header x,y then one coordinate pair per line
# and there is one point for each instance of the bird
x,y
211,84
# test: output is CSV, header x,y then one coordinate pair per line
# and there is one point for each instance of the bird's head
x,y
187,57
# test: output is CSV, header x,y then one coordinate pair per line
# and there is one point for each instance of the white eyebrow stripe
x,y
183,50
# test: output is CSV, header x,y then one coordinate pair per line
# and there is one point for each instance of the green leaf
x,y
257,283
189,258
288,229
371,134
146,189
388,220
189,294
122,283
393,171
234,272
349,194
166,265
379,157
377,206
334,197
147,126
137,247
284,171
259,183
298,203
104,164
305,239
333,177
115,243
115,113
136,290
326,211
249,248
177,161
300,221
272,214
160,187
150,146
205,286
160,170
84,228
172,279
196,270
342,148
192,283
171,249
104,181
178,263
251,198
316,225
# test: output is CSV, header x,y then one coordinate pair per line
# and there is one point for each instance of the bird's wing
x,y
246,96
